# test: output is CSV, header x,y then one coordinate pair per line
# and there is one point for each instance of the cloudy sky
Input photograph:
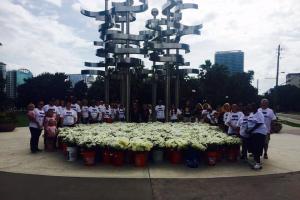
x,y
52,35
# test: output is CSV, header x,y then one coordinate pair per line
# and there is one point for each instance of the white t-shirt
x,y
225,116
243,124
107,113
257,118
160,111
85,111
54,108
232,120
269,117
60,109
39,116
101,109
94,111
121,112
113,113
212,118
69,117
76,107
174,114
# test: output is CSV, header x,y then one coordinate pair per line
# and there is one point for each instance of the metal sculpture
x,y
118,44
165,35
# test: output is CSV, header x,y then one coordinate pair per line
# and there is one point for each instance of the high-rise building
x,y
293,79
3,75
233,60
3,70
14,79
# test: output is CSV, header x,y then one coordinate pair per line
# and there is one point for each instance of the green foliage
x,y
96,91
288,98
43,87
8,118
80,90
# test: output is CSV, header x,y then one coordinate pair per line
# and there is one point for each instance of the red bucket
x,y
89,157
212,157
233,154
106,156
175,156
141,159
118,158
64,148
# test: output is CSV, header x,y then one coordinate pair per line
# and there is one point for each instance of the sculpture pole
x,y
106,76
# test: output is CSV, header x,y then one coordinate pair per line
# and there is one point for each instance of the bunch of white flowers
x,y
144,136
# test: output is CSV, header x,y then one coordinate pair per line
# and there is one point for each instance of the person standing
x,y
243,126
232,120
198,112
107,114
269,117
76,107
145,114
69,116
257,131
121,113
93,113
187,112
174,114
85,112
36,120
160,112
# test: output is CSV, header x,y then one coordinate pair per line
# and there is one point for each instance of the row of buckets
x,y
190,157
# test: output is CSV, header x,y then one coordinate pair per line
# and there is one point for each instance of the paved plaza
x,y
52,174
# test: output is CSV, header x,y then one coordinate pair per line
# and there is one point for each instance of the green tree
x,y
80,90
288,98
43,87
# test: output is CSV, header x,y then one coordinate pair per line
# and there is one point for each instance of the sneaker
x,y
257,166
266,156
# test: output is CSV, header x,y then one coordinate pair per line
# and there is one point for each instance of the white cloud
x,y
76,7
39,43
55,2
256,27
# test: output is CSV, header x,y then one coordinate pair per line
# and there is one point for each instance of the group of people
x,y
251,123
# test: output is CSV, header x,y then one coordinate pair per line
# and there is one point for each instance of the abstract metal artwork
x,y
160,43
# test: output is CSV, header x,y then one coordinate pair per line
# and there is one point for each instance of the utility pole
x,y
277,78
278,63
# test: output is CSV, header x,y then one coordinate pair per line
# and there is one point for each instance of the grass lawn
x,y
22,119
290,123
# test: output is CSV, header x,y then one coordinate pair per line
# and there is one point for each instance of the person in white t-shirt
x,y
93,113
160,112
85,112
36,119
243,126
52,107
121,113
269,117
107,114
174,113
101,108
257,131
232,120
69,116
76,107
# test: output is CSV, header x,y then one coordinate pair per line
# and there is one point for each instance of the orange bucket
x,y
212,157
89,157
106,156
175,156
141,159
118,158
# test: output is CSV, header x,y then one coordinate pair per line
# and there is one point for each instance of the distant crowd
x,y
250,122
